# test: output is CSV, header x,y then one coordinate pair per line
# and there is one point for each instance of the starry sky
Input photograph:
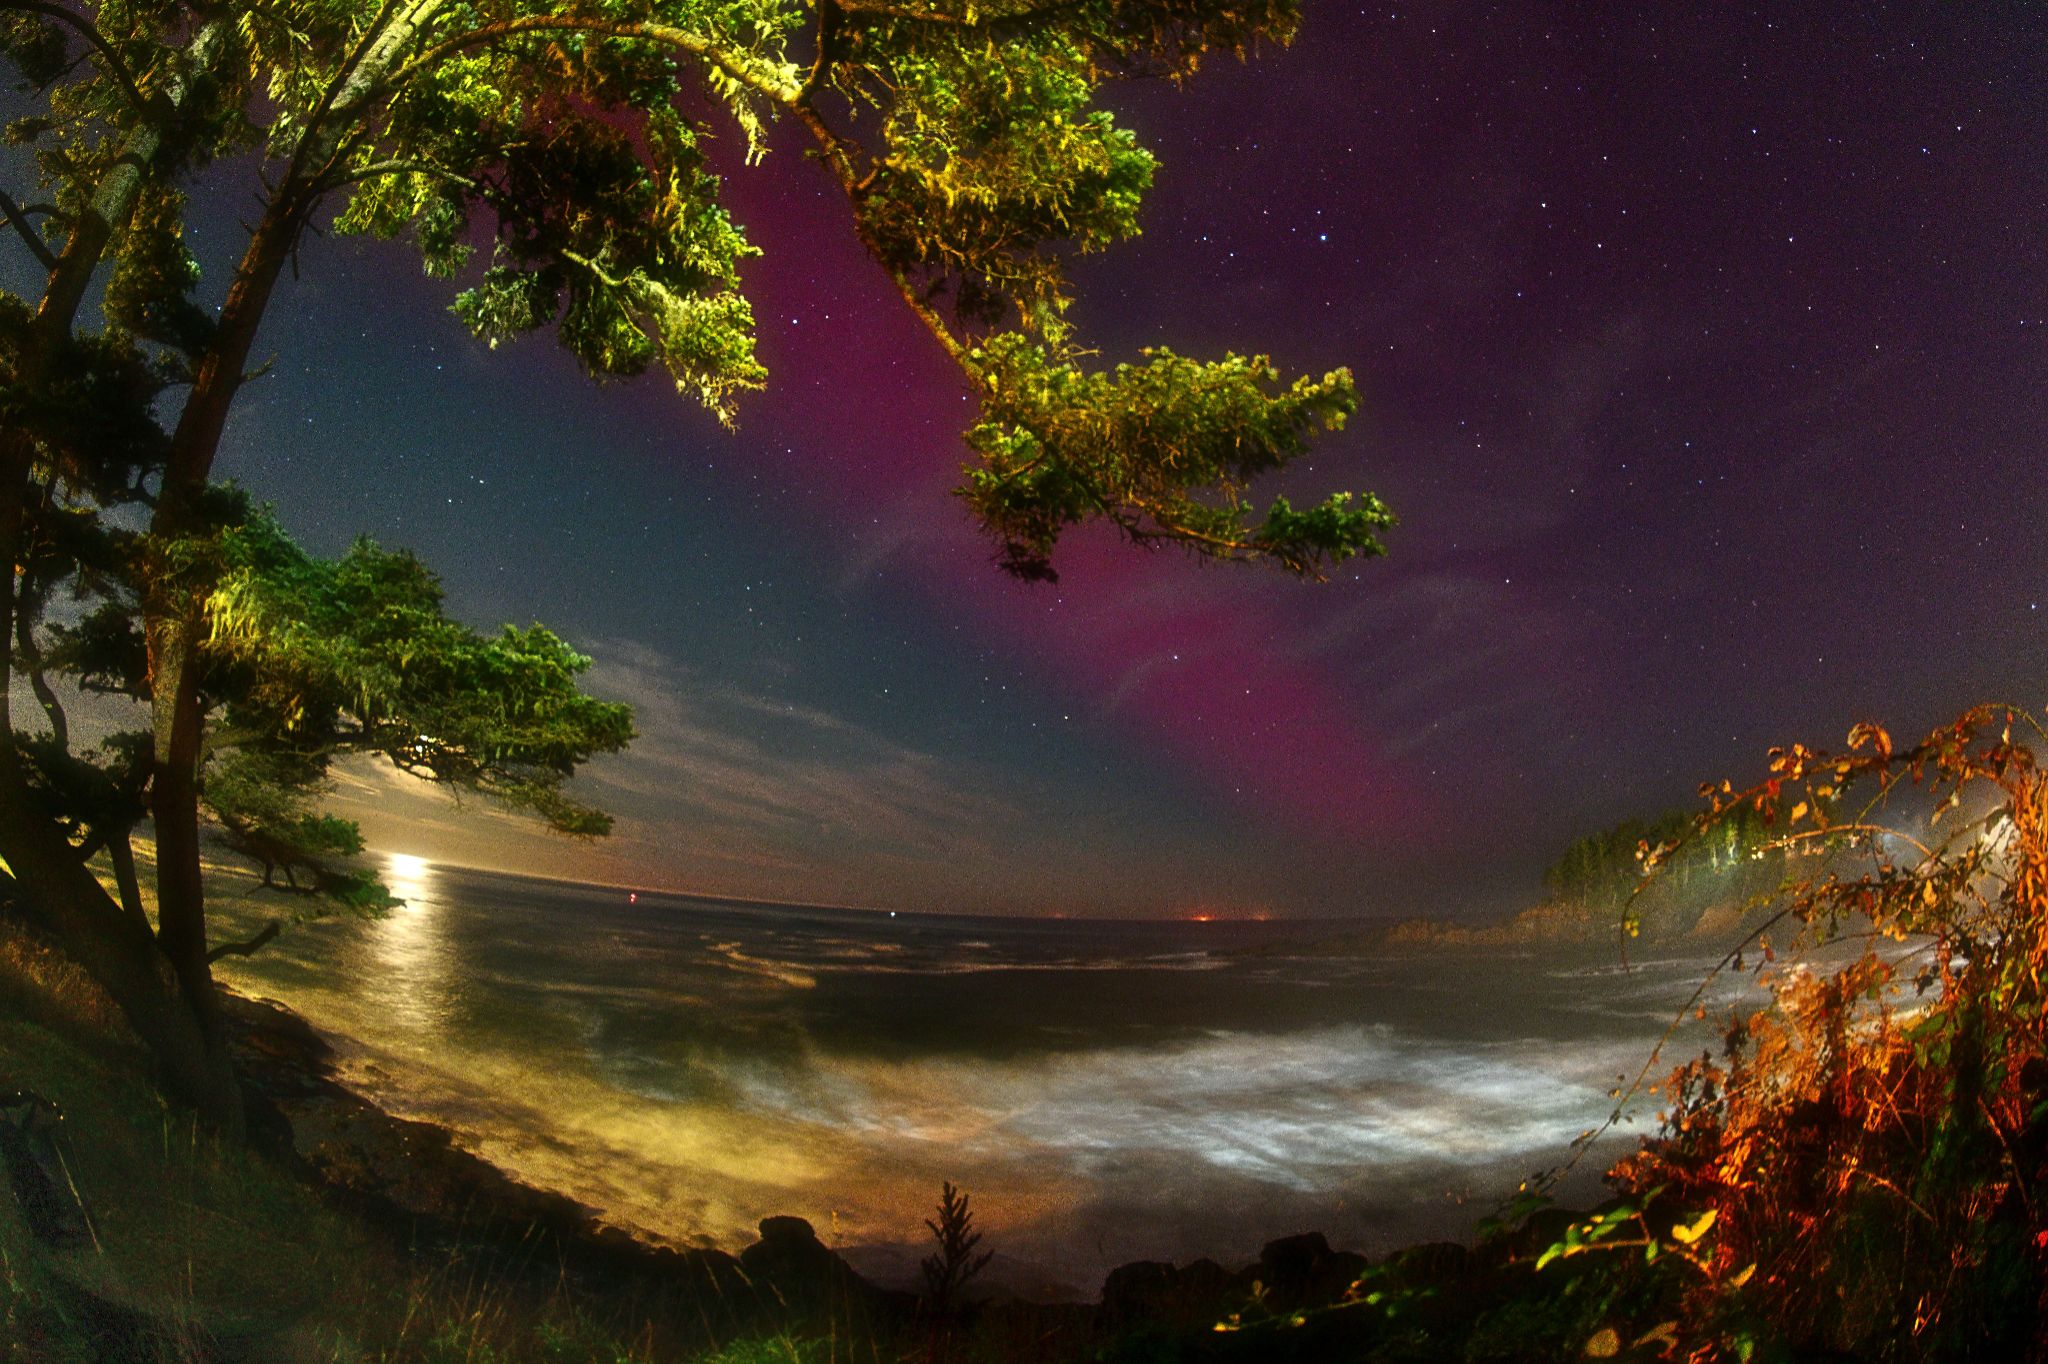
x,y
1703,353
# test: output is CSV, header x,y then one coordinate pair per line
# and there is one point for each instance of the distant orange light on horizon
x,y
1226,914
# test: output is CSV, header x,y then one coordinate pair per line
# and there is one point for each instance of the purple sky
x,y
1702,356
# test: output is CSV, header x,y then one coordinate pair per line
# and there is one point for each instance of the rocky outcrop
x,y
790,1262
1290,1274
1302,1271
1553,922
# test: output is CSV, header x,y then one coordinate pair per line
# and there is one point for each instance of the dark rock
x,y
799,1271
1344,1267
1207,1278
1434,1262
1302,1271
1196,1295
791,1232
30,1128
1140,1291
1293,1258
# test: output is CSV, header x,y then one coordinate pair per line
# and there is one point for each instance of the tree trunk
x,y
162,982
121,854
57,891
174,800
60,895
172,612
173,621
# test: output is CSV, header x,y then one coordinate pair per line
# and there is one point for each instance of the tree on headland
x,y
1607,872
301,661
550,158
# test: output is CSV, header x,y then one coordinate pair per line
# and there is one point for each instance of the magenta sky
x,y
1702,356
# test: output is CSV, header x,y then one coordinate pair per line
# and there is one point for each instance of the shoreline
x,y
883,1236
513,1122
413,1179
358,1130
1300,1300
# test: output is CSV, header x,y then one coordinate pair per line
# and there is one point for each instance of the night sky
x,y
1704,356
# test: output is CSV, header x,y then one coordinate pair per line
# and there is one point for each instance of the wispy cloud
x,y
726,790
718,757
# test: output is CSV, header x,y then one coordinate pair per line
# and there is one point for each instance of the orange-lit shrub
x,y
1874,1147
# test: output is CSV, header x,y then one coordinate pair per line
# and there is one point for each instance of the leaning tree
x,y
549,159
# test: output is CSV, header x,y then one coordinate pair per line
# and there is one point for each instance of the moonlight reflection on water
x,y
413,971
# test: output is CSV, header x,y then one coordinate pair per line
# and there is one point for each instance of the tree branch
x,y
1163,528
122,855
839,158
19,219
249,947
24,630
110,203
979,23
1002,23
761,76
348,87
28,611
371,172
371,32
115,66
829,12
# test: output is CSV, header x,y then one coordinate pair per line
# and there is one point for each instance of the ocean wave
x,y
690,1082
784,973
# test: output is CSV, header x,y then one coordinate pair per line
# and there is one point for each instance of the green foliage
x,y
1603,869
93,789
35,45
356,654
644,268
969,140
1670,861
1163,450
994,151
311,659
89,401
305,661
549,160
149,296
263,802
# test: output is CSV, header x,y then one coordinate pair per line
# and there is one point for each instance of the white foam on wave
x,y
1229,1133
1291,1110
1089,1149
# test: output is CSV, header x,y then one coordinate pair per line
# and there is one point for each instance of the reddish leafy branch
x,y
1875,1141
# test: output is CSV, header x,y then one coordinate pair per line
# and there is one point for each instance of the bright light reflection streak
x,y
414,974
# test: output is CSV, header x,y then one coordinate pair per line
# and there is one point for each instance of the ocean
x,y
1104,1090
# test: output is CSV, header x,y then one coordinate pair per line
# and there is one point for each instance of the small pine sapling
x,y
949,1271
